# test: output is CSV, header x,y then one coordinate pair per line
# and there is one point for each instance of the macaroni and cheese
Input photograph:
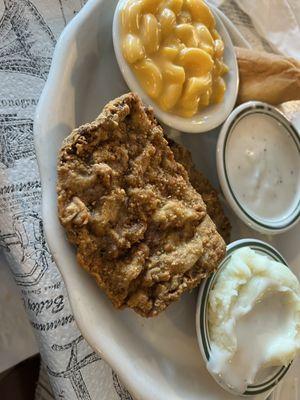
x,y
175,52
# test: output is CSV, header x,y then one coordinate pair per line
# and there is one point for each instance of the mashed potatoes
x,y
254,318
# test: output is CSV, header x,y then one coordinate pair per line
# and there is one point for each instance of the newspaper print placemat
x,y
28,33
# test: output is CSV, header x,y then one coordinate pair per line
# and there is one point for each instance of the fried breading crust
x,y
204,187
140,228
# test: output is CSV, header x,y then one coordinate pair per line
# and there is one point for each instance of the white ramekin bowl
x,y
265,226
274,375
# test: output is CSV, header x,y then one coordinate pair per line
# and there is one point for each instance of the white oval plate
x,y
208,118
157,359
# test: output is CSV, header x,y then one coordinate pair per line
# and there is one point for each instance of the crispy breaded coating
x,y
205,188
140,228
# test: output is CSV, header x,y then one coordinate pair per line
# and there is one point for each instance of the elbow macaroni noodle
x,y
175,52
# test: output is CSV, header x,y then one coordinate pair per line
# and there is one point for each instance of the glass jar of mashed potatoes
x,y
175,52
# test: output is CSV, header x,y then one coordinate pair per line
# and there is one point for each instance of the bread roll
x,y
267,77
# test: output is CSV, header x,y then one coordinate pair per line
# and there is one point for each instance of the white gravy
x,y
263,167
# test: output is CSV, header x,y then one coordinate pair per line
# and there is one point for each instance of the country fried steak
x,y
140,228
204,187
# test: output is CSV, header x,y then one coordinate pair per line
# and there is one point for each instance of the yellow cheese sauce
x,y
175,52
